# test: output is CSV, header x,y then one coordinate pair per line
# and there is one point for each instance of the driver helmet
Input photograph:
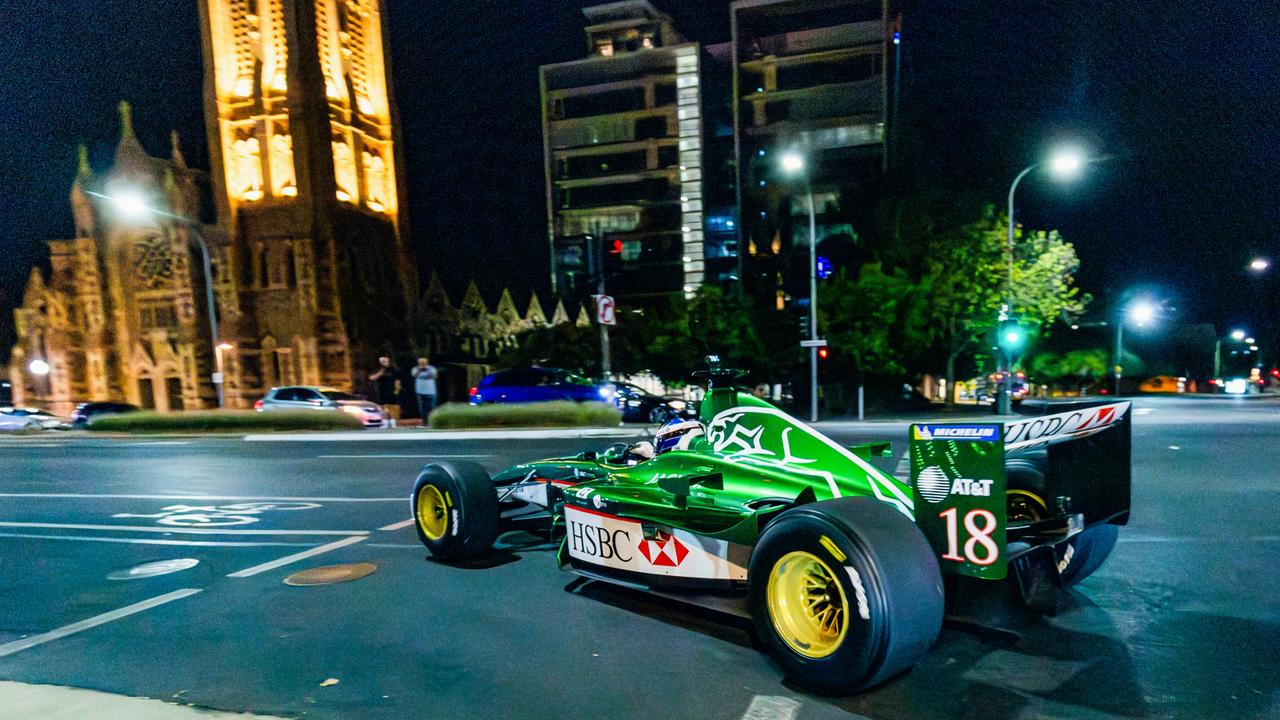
x,y
677,434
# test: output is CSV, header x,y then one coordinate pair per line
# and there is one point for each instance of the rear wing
x,y
959,480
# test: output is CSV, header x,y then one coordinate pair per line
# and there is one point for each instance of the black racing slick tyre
x,y
455,509
1076,558
844,594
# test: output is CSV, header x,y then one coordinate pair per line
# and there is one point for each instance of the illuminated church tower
x,y
304,143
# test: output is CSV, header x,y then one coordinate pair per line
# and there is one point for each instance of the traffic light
x,y
1012,337
823,353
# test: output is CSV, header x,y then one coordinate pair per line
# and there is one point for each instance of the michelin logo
x,y
975,433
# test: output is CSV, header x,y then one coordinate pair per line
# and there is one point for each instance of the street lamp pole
x,y
1117,367
133,204
813,303
1002,389
214,341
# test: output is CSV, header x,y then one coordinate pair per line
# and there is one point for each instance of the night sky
x,y
1184,96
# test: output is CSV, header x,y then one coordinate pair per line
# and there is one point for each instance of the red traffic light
x,y
823,353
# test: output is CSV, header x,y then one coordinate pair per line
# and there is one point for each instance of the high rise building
x,y
809,77
622,141
311,267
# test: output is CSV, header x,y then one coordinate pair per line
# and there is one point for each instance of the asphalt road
x,y
1182,622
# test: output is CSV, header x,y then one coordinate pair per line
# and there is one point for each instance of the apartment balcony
x,y
812,105
809,42
623,127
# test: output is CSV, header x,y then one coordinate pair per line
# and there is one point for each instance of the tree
x,y
967,275
874,322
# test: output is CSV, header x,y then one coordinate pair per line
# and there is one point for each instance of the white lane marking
x,y
434,455
1175,447
92,496
772,707
396,546
1143,411
153,442
289,559
183,531
397,526
154,541
26,643
429,435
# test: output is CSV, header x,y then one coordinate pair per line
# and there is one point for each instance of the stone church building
x,y
310,263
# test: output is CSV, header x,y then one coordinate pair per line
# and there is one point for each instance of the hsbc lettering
x,y
599,542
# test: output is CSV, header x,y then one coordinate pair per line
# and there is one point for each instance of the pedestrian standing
x,y
424,384
385,387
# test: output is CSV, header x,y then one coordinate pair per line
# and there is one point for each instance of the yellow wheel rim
x,y
807,605
433,514
1024,506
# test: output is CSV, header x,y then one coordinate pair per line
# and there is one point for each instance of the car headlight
x,y
607,392
678,404
353,409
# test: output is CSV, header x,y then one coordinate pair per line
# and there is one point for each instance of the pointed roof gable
x,y
559,316
584,320
535,316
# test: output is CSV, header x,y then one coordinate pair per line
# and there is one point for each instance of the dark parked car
x,y
86,412
640,405
539,384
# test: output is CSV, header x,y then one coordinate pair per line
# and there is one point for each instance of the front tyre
x,y
455,509
844,594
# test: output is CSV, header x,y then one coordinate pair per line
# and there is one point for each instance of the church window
x,y
375,181
283,182
248,168
344,167
156,315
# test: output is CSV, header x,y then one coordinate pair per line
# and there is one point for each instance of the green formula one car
x,y
839,564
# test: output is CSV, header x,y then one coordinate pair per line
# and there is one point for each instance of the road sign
x,y
606,310
821,342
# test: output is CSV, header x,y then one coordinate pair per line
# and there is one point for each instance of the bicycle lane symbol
x,y
217,515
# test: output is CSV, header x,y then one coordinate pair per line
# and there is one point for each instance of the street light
x,y
131,204
38,367
1238,336
1141,312
792,163
1064,164
1259,264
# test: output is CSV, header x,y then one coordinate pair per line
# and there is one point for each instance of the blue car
x,y
539,384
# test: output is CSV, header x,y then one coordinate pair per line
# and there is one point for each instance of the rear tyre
x,y
455,509
1076,558
844,594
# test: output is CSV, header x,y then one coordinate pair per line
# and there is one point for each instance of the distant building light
x,y
897,38
687,259
759,89
761,152
728,223
762,183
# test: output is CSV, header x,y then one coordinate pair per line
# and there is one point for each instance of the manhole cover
x,y
329,574
152,569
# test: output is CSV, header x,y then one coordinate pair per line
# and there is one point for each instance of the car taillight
x,y
473,391
257,405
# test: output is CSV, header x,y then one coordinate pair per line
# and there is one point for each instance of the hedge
x,y
559,413
225,421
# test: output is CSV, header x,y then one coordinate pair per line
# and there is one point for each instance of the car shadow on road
x,y
686,616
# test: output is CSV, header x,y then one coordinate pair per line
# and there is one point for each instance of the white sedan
x,y
13,419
